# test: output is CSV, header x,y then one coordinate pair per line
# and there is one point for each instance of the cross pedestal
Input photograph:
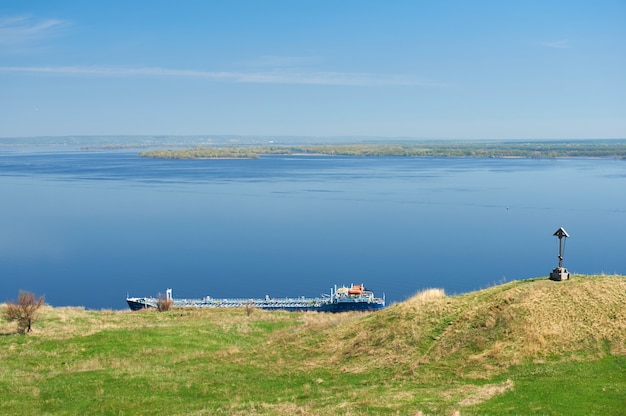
x,y
558,274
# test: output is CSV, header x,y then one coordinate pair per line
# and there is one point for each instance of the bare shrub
x,y
249,308
164,303
24,311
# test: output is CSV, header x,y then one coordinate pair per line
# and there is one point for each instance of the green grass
x,y
497,351
570,388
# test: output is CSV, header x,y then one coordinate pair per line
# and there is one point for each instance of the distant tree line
x,y
552,149
204,152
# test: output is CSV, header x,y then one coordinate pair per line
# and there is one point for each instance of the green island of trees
x,y
535,149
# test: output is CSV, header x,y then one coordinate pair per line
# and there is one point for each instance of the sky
x,y
424,69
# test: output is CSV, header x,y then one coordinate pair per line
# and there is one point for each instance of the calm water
x,y
86,228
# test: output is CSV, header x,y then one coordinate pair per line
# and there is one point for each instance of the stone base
x,y
558,274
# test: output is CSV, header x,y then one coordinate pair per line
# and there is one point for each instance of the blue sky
x,y
423,69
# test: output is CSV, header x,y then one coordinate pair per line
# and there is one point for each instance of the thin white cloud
x,y
20,30
558,44
271,77
283,61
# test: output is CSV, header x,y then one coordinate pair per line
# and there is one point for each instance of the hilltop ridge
x,y
483,331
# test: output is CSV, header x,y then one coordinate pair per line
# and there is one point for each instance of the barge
x,y
340,299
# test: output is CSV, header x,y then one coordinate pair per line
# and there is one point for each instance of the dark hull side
x,y
348,307
137,306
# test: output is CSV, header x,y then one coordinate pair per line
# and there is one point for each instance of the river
x,y
86,228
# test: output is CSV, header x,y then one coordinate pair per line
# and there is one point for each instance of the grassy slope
x,y
526,347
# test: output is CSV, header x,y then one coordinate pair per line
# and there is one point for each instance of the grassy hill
x,y
526,347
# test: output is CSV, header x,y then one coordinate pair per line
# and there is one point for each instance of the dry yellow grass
x,y
545,318
487,330
477,394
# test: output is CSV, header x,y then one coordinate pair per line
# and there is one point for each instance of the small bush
x,y
249,308
24,311
164,303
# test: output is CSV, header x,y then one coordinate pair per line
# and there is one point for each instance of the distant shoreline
x,y
504,150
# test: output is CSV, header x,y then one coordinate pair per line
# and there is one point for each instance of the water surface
x,y
86,228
